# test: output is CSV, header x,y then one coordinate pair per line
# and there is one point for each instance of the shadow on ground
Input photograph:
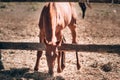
x,y
25,74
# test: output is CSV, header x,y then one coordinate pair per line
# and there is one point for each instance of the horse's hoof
x,y
63,66
51,73
78,66
35,69
59,70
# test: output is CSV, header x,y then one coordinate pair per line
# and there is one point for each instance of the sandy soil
x,y
19,22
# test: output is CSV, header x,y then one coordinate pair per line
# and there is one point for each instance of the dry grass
x,y
19,22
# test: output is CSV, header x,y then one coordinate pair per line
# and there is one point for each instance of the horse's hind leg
x,y
78,64
63,60
72,27
63,56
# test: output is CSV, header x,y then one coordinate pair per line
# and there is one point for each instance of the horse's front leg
x,y
39,53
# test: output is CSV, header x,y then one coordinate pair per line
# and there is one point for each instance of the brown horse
x,y
54,18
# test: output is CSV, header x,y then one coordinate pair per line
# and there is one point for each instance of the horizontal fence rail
x,y
22,45
63,47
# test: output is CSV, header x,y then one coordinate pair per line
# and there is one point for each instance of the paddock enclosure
x,y
98,37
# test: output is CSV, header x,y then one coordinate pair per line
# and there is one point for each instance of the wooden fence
x,y
63,47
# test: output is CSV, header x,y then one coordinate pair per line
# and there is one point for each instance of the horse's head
x,y
51,54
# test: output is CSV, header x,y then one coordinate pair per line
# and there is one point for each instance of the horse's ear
x,y
46,42
58,43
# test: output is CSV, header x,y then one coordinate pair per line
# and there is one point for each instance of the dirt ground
x,y
19,23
